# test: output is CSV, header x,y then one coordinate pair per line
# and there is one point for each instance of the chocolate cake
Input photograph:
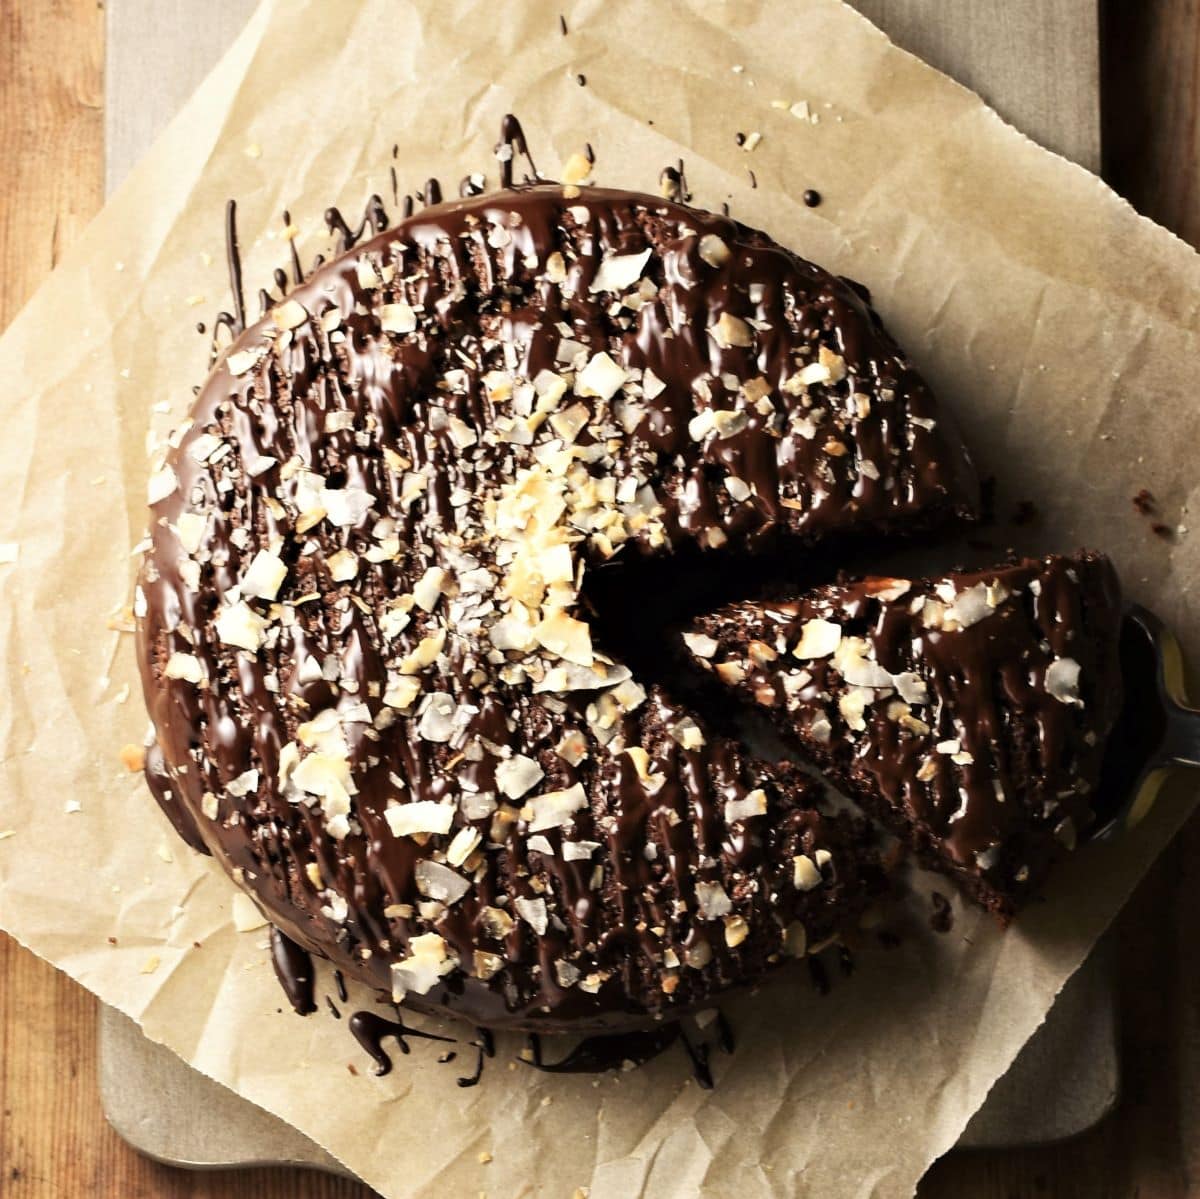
x,y
966,712
373,679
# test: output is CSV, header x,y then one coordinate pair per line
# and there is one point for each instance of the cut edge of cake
x,y
966,712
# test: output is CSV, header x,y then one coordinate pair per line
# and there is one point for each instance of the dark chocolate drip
x,y
470,185
432,194
562,24
485,1046
339,980
373,220
233,261
594,1055
697,1052
294,969
293,252
371,1029
942,919
334,1010
674,183
512,142
158,779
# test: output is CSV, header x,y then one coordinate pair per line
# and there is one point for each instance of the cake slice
x,y
967,712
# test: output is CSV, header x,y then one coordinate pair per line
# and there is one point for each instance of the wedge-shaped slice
x,y
968,712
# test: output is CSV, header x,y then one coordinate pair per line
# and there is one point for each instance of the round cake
x,y
366,627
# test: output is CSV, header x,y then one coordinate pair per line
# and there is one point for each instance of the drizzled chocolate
x,y
968,712
360,626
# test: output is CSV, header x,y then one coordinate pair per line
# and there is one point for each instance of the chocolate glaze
x,y
626,937
1017,791
370,1030
594,1055
158,779
485,1047
294,969
512,142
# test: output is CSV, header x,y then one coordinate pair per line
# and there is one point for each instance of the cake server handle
x,y
1158,730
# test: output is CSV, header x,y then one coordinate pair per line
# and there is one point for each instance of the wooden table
x,y
54,1143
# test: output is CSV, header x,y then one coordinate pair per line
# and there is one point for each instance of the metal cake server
x,y
1157,730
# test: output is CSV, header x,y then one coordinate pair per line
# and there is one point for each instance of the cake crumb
x,y
133,757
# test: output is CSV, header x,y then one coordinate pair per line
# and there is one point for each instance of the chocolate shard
x,y
967,712
361,630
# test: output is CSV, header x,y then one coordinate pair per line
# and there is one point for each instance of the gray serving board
x,y
1037,62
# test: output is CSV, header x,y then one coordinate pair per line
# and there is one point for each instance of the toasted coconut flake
x,y
264,576
601,377
1062,681
397,318
805,875
555,809
419,816
619,272
713,901
517,775
567,637
713,250
731,331
753,804
290,314
701,644
818,639
239,625
184,666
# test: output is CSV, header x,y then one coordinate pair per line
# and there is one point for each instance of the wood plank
x,y
1011,53
141,98
53,1141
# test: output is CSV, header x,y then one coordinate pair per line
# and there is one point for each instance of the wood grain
x,y
54,1143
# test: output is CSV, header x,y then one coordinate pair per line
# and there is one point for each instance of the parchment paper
x,y
1060,326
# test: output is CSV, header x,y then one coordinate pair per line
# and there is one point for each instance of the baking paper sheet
x,y
1061,327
